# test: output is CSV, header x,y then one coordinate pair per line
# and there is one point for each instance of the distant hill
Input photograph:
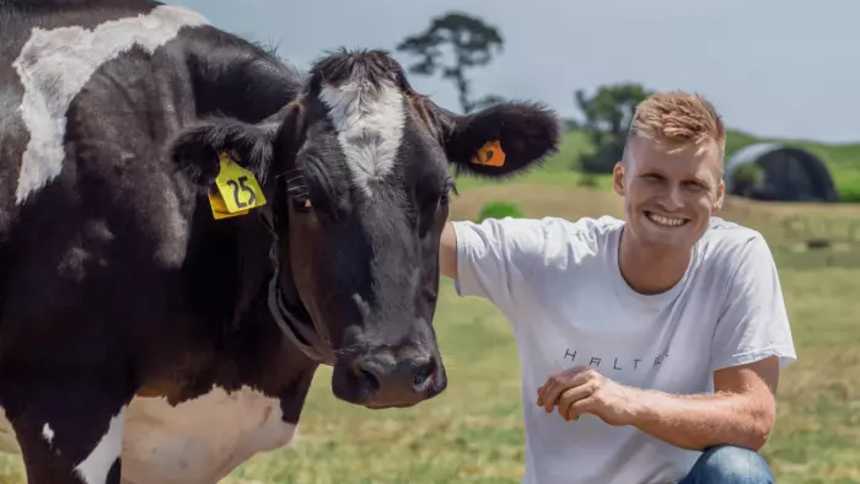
x,y
843,160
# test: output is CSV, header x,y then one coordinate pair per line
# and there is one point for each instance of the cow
x,y
189,228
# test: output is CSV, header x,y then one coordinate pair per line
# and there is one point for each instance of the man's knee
x,y
731,465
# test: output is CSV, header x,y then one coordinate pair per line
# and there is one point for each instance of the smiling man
x,y
650,347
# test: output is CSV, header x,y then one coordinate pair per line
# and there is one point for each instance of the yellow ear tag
x,y
491,154
238,190
219,208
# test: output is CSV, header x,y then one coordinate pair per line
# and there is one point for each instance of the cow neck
x,y
292,317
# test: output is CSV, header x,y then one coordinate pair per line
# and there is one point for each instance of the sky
x,y
786,69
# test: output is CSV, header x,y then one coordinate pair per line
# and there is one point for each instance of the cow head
x,y
357,173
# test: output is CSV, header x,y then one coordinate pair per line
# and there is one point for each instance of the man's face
x,y
669,192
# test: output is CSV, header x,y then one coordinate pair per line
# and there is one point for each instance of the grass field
x,y
473,432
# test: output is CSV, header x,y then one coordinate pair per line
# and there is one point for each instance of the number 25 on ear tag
x,y
238,188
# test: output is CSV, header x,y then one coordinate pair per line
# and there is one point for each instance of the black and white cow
x,y
131,321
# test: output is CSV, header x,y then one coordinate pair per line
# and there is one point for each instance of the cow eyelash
x,y
297,190
450,187
300,200
296,183
295,180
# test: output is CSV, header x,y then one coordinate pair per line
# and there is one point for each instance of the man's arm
x,y
741,412
448,251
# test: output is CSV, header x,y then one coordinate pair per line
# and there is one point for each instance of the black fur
x,y
373,66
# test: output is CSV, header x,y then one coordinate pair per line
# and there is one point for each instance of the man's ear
x,y
501,139
618,178
721,195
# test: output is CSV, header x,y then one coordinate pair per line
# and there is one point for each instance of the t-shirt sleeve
x,y
754,324
495,257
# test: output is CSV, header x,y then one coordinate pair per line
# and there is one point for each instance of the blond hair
x,y
678,118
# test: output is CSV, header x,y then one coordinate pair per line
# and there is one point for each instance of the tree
x,y
470,39
607,116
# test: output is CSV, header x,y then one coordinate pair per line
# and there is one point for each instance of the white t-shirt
x,y
560,286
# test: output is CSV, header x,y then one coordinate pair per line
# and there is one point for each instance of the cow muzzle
x,y
381,379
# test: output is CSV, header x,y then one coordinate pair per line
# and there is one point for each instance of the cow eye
x,y
444,199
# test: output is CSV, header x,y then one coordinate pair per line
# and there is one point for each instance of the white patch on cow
x,y
48,433
369,122
54,65
202,440
94,469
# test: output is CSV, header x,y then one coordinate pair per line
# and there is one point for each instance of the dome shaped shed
x,y
771,171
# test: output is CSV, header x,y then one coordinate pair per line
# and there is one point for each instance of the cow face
x,y
357,171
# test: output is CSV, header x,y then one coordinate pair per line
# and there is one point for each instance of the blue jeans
x,y
727,464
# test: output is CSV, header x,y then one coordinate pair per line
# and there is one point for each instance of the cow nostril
x,y
368,376
423,374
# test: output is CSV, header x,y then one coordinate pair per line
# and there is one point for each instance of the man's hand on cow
x,y
584,390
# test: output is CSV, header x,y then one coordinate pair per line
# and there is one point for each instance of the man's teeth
x,y
668,221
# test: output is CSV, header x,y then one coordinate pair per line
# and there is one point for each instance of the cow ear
x,y
195,150
290,136
502,139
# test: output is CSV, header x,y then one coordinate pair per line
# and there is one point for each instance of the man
x,y
650,347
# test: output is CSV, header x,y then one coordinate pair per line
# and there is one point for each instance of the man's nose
x,y
673,199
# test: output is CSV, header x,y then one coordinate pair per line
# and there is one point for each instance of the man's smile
x,y
665,220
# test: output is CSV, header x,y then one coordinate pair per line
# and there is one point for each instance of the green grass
x,y
817,438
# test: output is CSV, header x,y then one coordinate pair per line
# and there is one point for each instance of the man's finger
x,y
557,384
544,389
565,409
548,398
553,393
571,396
580,407
553,389
544,393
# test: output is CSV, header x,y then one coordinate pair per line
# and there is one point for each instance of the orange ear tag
x,y
491,154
